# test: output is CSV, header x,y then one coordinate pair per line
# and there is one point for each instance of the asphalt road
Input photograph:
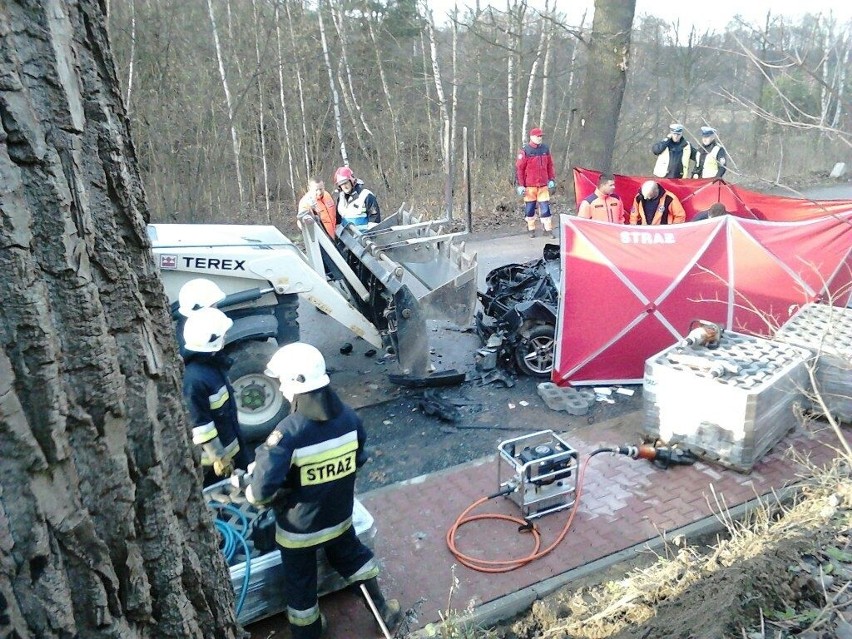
x,y
404,440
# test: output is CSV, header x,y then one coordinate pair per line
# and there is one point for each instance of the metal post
x,y
468,203
448,173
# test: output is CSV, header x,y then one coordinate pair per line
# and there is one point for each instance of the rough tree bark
x,y
603,86
103,529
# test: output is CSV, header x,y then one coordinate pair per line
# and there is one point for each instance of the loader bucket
x,y
426,273
420,255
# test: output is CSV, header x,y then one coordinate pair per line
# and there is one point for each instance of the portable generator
x,y
538,472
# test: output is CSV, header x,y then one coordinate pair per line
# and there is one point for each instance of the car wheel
x,y
534,353
260,405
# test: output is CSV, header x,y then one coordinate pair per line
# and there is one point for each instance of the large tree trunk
x,y
603,87
103,529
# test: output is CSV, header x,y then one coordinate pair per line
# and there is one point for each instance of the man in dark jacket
x,y
306,471
711,159
535,179
673,154
210,396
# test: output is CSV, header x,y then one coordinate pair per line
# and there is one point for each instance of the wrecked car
x,y
517,322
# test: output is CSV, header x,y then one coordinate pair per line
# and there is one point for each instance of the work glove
x,y
223,467
520,191
551,184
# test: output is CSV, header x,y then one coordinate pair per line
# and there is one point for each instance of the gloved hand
x,y
520,191
551,184
694,177
223,467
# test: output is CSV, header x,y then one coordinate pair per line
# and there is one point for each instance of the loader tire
x,y
260,405
534,352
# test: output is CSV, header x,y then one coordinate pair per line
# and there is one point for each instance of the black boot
x,y
389,609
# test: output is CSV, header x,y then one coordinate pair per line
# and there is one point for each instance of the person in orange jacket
x,y
603,205
319,203
654,205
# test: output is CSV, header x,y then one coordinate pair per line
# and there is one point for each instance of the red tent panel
x,y
698,195
628,293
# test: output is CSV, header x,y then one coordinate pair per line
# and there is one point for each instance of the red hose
x,y
507,565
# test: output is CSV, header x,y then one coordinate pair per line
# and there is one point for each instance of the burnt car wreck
x,y
517,322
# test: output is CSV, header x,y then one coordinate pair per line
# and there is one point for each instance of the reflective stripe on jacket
x,y
534,166
312,464
603,208
212,407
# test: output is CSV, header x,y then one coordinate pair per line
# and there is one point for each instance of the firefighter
x,y
306,471
710,157
209,395
196,294
673,154
535,178
654,205
355,204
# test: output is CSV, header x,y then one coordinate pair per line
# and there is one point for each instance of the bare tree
x,y
235,139
283,103
338,121
604,83
260,110
104,530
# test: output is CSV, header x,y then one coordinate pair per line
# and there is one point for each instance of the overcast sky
x,y
713,15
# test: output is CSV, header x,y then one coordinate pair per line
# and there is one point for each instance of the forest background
x,y
235,103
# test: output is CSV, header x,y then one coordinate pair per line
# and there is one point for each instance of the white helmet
x,y
204,331
198,293
299,367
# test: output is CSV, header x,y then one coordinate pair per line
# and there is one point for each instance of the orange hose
x,y
507,565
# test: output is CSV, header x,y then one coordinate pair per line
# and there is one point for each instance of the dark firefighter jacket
x,y
534,166
306,470
210,398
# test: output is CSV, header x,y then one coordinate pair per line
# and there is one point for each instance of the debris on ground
x,y
571,400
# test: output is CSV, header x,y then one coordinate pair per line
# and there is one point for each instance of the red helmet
x,y
343,174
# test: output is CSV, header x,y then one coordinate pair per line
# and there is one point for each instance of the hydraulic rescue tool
x,y
703,333
546,478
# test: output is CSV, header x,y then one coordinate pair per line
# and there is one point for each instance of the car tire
x,y
535,351
260,404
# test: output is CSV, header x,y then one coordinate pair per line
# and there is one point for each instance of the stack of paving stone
x,y
573,401
826,331
729,405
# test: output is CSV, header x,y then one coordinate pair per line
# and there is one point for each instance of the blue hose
x,y
232,537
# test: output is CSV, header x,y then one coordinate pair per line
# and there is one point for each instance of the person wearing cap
x,y
535,179
710,157
653,205
673,154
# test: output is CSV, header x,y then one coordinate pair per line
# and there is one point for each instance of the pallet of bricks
x,y
827,332
729,405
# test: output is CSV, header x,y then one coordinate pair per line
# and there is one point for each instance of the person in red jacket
x,y
603,205
654,205
535,179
